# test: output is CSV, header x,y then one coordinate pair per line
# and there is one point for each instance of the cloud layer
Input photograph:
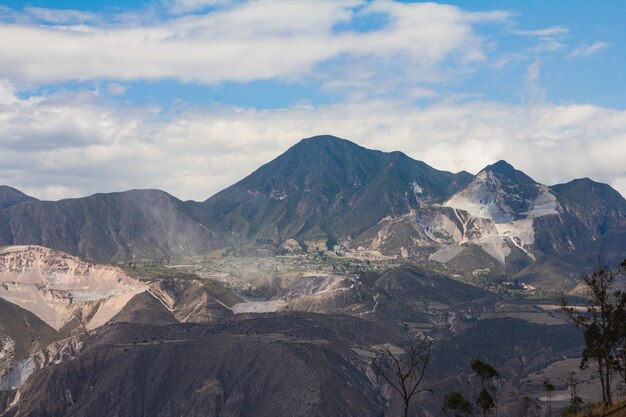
x,y
253,41
386,59
74,144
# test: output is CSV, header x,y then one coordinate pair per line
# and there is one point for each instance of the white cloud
x,y
588,50
546,32
251,41
7,93
73,144
77,143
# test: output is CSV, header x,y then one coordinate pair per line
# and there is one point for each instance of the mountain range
x,y
225,335
327,193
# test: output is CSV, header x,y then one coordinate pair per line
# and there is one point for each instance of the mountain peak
x,y
10,196
327,143
507,170
501,165
587,192
323,138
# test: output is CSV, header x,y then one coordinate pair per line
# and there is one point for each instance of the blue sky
x,y
191,95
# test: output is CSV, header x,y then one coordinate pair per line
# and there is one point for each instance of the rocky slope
x,y
22,335
176,348
61,289
510,218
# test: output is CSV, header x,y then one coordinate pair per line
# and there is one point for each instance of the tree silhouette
x,y
405,372
456,403
488,395
549,387
603,326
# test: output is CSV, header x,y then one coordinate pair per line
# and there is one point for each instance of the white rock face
x,y
544,204
307,292
483,197
495,246
490,221
270,306
56,287
446,254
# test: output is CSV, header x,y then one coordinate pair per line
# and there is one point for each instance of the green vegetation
x,y
487,398
149,273
457,404
603,325
488,394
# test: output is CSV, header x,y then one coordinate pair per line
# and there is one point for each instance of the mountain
x,y
514,219
552,272
173,343
590,209
496,213
11,197
325,191
326,187
329,193
103,227
607,249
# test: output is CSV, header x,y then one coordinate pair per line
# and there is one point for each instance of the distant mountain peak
x,y
327,144
10,196
503,168
324,138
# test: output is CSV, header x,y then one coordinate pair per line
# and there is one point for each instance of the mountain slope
x,y
280,366
590,209
103,227
329,187
21,334
503,194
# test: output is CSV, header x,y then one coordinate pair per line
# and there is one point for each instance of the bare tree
x,y
405,372
549,388
575,402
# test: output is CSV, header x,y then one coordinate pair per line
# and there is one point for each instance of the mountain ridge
x,y
10,196
332,192
331,183
105,227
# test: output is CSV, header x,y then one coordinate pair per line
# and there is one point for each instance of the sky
x,y
190,96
